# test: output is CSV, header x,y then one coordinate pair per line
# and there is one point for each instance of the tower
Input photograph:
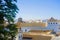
x,y
19,35
19,19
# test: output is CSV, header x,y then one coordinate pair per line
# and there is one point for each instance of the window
x,y
56,23
59,27
48,23
51,23
25,30
19,36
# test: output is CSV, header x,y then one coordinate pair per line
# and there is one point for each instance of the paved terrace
x,y
38,36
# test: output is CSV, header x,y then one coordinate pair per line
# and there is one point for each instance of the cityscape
x,y
39,29
29,19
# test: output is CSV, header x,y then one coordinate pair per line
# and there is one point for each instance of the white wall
x,y
50,26
19,35
53,26
33,28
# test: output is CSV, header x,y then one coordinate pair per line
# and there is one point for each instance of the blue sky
x,y
38,9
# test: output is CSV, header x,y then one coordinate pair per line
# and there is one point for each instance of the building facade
x,y
27,26
53,24
49,24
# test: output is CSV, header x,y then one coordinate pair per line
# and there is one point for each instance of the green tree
x,y
8,10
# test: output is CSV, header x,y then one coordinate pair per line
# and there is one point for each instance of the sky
x,y
38,9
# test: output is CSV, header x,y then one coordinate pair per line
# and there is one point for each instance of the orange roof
x,y
38,36
39,24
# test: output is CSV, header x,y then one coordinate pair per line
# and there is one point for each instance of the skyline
x,y
38,9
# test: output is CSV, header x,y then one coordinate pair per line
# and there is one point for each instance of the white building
x,y
50,24
27,26
53,24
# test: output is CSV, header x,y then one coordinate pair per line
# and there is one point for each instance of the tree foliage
x,y
8,11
